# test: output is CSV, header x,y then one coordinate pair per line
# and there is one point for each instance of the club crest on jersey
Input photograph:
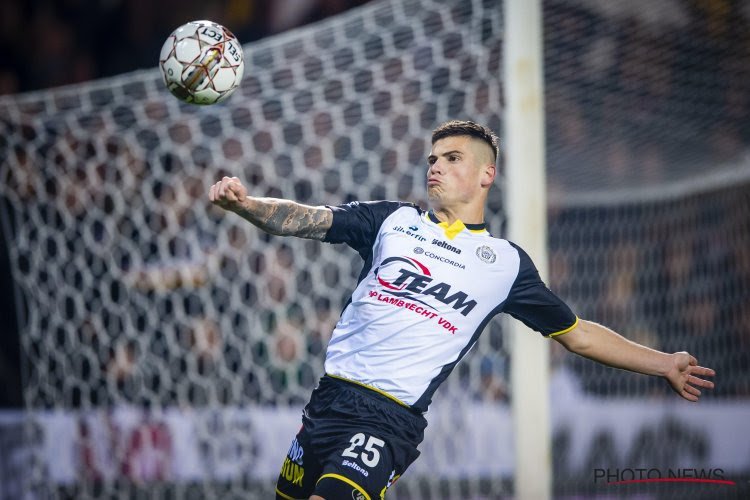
x,y
486,254
414,280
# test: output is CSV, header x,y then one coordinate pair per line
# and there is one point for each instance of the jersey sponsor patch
x,y
433,255
296,452
446,245
395,301
411,231
353,465
413,280
292,472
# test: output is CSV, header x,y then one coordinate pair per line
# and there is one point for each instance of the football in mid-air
x,y
201,62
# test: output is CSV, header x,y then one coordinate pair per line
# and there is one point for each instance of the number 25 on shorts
x,y
370,455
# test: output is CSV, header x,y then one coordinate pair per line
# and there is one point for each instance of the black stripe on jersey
x,y
532,303
426,398
529,301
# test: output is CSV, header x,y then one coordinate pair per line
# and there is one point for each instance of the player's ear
x,y
489,171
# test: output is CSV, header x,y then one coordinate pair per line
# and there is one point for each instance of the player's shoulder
x,y
494,250
373,213
525,263
378,205
389,208
502,245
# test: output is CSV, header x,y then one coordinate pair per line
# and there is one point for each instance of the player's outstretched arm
x,y
275,216
601,344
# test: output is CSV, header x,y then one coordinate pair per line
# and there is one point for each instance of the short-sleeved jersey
x,y
424,295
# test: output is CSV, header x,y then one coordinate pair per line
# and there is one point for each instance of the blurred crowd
x,y
48,43
643,101
671,274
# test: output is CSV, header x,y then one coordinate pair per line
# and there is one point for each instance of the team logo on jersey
x,y
415,278
418,250
486,254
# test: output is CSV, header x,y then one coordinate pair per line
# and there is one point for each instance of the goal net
x,y
648,160
168,347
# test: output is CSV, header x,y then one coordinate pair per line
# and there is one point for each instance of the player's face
x,y
458,171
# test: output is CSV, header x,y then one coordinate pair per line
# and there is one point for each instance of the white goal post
x,y
525,202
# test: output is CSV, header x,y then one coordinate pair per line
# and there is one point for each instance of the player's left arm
x,y
601,344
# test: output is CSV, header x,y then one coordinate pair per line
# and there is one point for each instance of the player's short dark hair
x,y
466,127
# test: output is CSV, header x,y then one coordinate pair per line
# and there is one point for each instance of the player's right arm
x,y
273,215
603,345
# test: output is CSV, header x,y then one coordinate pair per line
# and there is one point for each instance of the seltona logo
x,y
420,251
355,466
486,254
415,278
443,244
410,232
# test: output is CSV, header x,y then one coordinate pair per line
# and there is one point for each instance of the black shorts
x,y
354,443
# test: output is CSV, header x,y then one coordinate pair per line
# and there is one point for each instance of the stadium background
x,y
648,136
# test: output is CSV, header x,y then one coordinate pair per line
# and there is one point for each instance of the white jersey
x,y
424,296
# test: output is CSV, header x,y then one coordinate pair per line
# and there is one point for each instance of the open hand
x,y
684,374
228,193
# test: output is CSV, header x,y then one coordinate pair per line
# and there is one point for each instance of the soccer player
x,y
431,282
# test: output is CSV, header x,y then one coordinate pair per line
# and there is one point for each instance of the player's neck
x,y
467,215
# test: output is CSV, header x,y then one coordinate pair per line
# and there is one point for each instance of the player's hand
x,y
228,193
684,376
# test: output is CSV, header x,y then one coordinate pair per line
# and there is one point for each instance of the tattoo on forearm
x,y
287,218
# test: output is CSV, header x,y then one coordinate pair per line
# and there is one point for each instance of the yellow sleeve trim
x,y
282,495
348,481
394,398
561,332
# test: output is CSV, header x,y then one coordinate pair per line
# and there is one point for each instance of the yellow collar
x,y
458,226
